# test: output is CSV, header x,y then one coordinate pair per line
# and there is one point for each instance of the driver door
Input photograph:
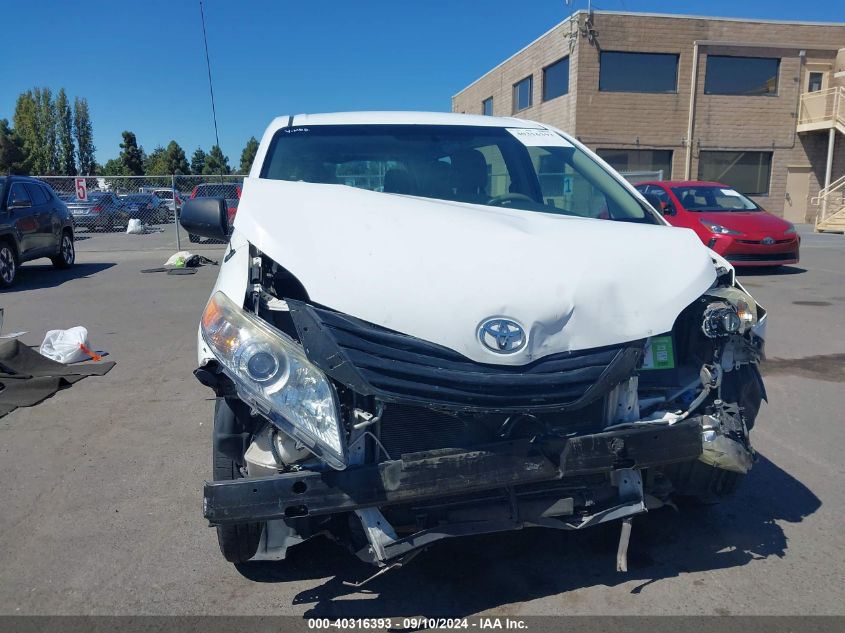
x,y
22,218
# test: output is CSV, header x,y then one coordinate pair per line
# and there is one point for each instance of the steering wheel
x,y
506,198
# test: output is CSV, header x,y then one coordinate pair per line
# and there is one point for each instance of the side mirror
x,y
654,201
206,217
665,208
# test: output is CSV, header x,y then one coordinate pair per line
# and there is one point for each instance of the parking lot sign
x,y
81,189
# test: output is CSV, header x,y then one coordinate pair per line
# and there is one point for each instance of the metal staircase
x,y
825,110
831,205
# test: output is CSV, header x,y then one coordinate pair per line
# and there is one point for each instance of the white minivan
x,y
431,325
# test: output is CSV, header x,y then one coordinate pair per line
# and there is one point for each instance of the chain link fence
x,y
635,177
103,207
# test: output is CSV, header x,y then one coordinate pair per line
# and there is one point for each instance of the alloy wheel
x,y
7,264
68,252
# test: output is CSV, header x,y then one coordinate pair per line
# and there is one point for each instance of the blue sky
x,y
141,64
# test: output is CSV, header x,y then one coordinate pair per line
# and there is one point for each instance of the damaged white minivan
x,y
435,325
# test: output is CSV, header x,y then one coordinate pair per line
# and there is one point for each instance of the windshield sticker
x,y
731,192
538,138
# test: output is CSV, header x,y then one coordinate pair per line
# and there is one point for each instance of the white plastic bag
x,y
177,260
135,227
65,346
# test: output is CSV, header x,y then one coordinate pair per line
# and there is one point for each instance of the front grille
x,y
762,257
395,367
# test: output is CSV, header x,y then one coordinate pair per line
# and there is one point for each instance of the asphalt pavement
x,y
100,502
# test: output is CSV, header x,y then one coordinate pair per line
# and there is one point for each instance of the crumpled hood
x,y
436,269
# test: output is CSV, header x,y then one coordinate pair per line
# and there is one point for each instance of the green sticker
x,y
659,353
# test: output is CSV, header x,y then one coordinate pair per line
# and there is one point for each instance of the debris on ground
x,y
27,377
182,263
68,346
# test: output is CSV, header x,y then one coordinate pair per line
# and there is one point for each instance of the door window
x,y
18,195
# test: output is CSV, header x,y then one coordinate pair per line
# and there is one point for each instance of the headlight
x,y
790,230
719,229
736,313
270,370
720,319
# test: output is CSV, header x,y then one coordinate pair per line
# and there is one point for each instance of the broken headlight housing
x,y
272,373
734,313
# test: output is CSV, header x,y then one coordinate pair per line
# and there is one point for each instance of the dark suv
x,y
33,223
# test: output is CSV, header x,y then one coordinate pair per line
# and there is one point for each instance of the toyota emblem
x,y
503,336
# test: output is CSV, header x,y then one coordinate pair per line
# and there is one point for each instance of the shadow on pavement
x,y
769,271
35,276
465,576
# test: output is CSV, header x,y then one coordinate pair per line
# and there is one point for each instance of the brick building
x,y
766,115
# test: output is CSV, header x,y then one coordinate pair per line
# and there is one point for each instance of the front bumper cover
x,y
440,474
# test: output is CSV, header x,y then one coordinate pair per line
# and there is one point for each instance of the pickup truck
x,y
431,325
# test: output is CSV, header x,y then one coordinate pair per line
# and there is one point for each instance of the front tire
x,y
699,480
239,542
67,252
8,265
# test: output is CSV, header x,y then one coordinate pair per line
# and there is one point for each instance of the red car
x,y
731,224
230,191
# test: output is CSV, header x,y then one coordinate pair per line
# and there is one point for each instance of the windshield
x,y
712,198
531,169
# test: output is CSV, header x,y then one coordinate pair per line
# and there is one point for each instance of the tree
x,y
12,156
156,162
47,124
25,122
248,155
84,136
114,167
177,163
198,161
67,151
131,156
216,162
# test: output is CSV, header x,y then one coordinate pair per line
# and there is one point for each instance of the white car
x,y
431,325
172,200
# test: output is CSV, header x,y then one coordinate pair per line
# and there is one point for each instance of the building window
x,y
556,79
640,160
744,76
638,72
522,94
814,84
747,172
487,106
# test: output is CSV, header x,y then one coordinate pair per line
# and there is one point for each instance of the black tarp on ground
x,y
27,377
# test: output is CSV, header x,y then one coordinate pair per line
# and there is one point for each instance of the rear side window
x,y
37,194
